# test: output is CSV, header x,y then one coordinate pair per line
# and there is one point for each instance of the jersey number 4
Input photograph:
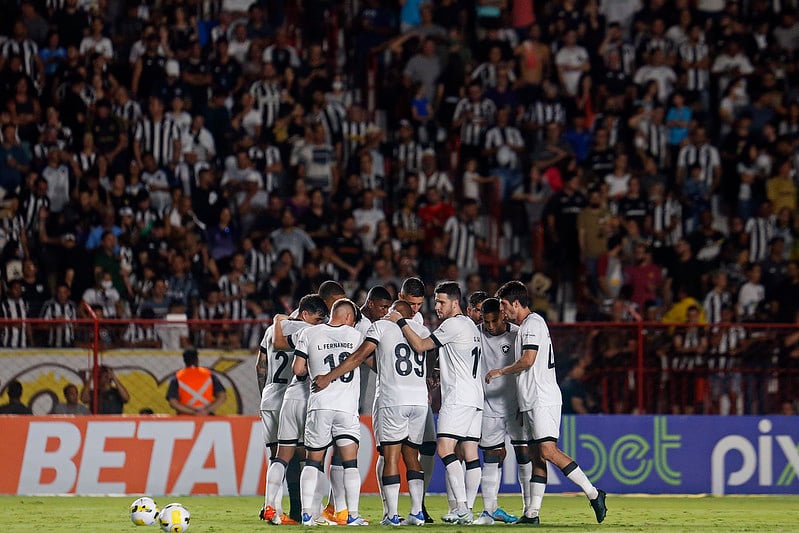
x,y
403,364
330,359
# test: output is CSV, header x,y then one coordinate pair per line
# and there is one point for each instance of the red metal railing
x,y
630,367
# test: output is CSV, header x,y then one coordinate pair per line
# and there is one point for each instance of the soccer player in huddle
x,y
461,394
283,403
413,292
332,417
500,409
400,410
291,425
539,400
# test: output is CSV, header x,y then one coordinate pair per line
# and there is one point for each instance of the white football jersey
x,y
499,351
401,371
324,347
363,325
458,340
538,385
278,372
298,388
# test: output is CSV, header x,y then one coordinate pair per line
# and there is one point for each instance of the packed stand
x,y
221,160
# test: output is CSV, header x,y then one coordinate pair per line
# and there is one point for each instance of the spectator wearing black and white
x,y
657,69
281,54
316,162
33,203
759,231
142,334
267,92
504,147
486,73
126,109
199,140
235,286
700,152
157,183
430,176
694,56
258,260
652,137
28,52
353,134
549,109
157,135
13,307
572,60
473,115
407,153
614,43
463,237
187,173
330,115
730,63
656,40
267,161
61,308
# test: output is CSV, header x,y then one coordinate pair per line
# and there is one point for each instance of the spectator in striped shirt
x,y
16,334
61,308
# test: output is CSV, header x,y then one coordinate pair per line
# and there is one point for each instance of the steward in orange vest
x,y
195,390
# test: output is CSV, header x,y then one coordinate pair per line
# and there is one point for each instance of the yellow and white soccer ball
x,y
174,518
144,512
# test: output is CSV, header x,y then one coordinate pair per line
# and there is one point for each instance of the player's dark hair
x,y
451,289
402,307
378,293
314,304
413,287
330,288
490,305
477,297
514,291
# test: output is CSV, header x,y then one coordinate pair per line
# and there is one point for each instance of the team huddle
x,y
496,370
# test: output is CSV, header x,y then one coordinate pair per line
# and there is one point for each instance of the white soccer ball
x,y
174,518
144,512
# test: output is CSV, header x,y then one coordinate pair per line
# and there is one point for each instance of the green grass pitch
x,y
560,513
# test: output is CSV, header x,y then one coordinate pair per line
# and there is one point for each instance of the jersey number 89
x,y
403,364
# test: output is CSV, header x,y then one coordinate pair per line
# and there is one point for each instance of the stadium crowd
x,y
222,159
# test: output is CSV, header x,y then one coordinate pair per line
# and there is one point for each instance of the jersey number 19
x,y
330,359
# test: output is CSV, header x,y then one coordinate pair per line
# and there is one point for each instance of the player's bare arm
x,y
525,361
352,362
300,367
261,368
418,344
280,341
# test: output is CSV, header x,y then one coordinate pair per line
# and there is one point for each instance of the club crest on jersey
x,y
505,348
